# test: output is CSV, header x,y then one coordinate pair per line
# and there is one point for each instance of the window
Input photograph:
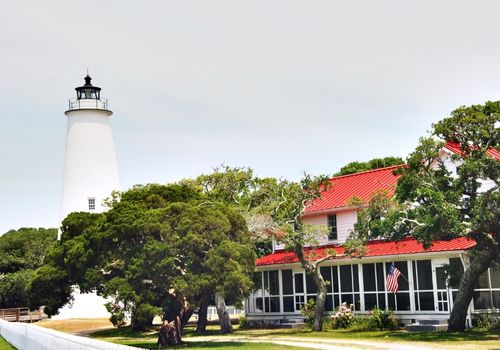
x,y
343,286
374,286
424,288
332,227
401,300
487,292
349,285
287,280
265,294
91,203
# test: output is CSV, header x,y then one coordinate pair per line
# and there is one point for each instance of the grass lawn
x,y
469,339
372,335
147,340
4,345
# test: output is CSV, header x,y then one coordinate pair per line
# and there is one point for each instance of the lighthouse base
x,y
85,305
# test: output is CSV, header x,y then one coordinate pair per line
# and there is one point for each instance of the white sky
x,y
279,86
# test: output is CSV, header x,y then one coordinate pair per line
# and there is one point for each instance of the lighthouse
x,y
90,168
90,175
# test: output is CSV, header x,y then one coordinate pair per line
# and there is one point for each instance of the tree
x,y
153,253
21,252
303,239
25,248
274,208
376,163
434,203
253,198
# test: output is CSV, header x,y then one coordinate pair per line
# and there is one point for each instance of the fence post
x,y
18,314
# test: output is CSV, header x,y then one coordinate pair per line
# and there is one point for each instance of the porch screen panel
x,y
336,289
487,292
256,301
401,300
287,281
271,291
326,272
349,286
424,288
374,286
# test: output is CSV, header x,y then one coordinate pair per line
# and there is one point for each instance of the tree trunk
x,y
224,319
174,319
481,258
187,312
319,309
314,270
202,316
170,333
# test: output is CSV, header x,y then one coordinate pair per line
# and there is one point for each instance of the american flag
x,y
392,279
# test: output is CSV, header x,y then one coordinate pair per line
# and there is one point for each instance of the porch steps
x,y
428,326
291,323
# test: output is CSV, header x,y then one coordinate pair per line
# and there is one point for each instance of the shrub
x,y
307,310
244,324
486,323
343,318
383,319
117,314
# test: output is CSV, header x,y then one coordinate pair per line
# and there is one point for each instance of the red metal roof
x,y
455,148
362,185
374,249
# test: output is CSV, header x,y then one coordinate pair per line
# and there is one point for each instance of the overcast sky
x,y
279,86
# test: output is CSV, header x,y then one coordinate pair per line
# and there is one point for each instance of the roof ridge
x,y
368,171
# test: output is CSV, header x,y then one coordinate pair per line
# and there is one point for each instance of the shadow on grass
x,y
203,345
125,332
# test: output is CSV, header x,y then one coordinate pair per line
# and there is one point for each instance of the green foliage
x,y
21,252
383,319
243,322
14,289
487,323
25,248
50,287
343,317
142,316
376,163
307,310
118,314
159,249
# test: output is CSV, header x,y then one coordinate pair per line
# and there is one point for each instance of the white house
x,y
282,287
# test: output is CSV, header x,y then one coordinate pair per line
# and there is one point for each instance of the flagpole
x,y
404,277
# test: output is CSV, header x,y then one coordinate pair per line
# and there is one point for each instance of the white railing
x,y
24,336
88,104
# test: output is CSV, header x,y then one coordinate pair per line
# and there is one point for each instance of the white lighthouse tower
x,y
90,169
90,175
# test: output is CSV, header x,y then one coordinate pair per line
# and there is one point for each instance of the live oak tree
x,y
274,208
375,163
253,198
302,238
157,251
21,252
433,202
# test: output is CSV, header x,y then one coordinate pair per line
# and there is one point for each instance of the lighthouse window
x,y
91,203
